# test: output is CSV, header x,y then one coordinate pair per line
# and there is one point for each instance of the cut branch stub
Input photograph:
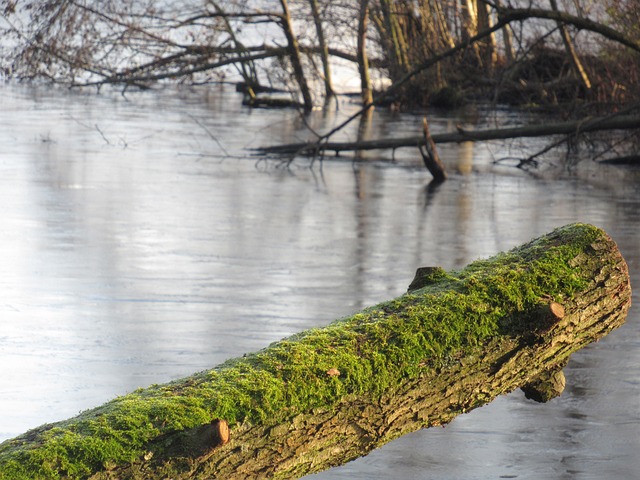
x,y
219,433
549,314
425,276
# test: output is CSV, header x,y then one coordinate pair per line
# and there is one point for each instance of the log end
x,y
219,432
548,315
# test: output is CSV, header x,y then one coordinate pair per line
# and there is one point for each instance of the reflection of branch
x,y
211,135
102,134
99,130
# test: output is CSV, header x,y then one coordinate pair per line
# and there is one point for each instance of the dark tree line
x,y
295,43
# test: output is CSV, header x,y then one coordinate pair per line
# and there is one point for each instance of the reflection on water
x,y
134,253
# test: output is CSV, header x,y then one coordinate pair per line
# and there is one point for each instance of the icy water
x,y
140,243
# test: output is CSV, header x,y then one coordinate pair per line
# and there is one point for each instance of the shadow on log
x,y
452,343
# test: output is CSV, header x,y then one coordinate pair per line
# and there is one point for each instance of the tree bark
x,y
507,39
320,398
469,27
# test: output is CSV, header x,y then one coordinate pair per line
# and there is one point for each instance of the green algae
x,y
372,350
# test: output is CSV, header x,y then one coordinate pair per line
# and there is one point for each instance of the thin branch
x,y
211,135
102,134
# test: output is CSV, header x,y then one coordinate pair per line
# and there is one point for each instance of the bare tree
x,y
294,55
141,43
363,60
324,49
578,68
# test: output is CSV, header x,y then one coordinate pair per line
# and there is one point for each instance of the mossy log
x,y
455,341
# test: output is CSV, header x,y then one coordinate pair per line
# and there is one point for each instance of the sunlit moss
x,y
372,350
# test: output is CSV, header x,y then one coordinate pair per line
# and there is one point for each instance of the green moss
x,y
372,350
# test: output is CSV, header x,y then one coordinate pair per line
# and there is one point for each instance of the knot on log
x,y
199,442
548,385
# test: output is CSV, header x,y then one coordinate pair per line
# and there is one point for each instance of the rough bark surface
x,y
454,342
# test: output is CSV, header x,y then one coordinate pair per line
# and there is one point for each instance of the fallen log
x,y
455,341
620,122
623,160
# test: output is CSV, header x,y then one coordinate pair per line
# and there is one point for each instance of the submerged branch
x,y
621,122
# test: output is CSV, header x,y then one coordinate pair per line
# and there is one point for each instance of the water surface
x,y
140,243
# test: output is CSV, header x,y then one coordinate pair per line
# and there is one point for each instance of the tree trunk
x,y
488,44
441,27
393,38
363,59
576,64
247,70
469,27
620,122
294,55
469,19
320,398
507,40
324,50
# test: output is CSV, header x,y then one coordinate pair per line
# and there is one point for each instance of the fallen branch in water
x,y
320,398
624,160
622,122
430,155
